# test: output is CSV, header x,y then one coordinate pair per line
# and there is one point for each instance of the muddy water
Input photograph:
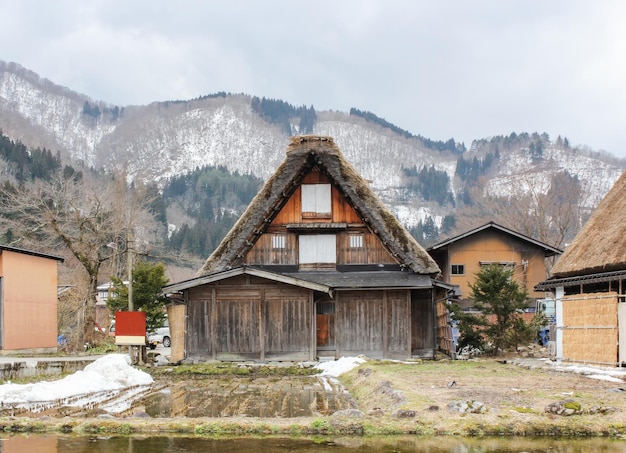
x,y
174,444
251,397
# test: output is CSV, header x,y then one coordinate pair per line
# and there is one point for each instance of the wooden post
x,y
213,337
261,326
312,326
409,313
385,321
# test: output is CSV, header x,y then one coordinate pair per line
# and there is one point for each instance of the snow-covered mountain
x,y
163,139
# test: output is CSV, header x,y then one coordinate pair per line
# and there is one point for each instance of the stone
x,y
376,412
565,408
402,413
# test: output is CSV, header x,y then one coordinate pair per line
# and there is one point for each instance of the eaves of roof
x,y
550,251
601,277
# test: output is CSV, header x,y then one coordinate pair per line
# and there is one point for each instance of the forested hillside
x,y
199,160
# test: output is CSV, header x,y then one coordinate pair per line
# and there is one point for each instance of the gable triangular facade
x,y
315,191
316,266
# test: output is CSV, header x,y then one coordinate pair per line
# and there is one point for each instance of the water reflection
x,y
259,397
176,444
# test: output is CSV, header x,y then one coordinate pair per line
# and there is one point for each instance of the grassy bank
x,y
396,399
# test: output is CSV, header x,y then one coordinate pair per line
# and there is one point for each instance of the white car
x,y
161,335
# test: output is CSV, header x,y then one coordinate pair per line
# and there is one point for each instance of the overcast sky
x,y
463,69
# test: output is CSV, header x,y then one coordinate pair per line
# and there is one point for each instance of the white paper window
x,y
316,198
318,248
278,241
356,241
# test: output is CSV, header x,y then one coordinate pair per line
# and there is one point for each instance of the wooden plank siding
x,y
372,251
288,317
261,320
374,323
398,307
423,322
264,253
249,320
291,212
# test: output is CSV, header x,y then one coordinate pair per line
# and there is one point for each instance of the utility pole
x,y
129,257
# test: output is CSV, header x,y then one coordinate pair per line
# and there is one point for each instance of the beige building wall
x,y
29,301
527,261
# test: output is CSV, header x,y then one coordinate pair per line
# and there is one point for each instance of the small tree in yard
x,y
148,280
499,301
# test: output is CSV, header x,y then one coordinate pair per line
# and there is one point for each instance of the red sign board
x,y
130,328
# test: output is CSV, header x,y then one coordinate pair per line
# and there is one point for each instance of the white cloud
x,y
438,69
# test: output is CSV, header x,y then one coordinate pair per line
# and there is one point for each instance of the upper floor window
x,y
457,269
278,241
317,248
316,200
356,241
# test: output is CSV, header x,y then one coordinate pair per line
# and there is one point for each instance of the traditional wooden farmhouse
x,y
28,301
316,266
460,258
588,284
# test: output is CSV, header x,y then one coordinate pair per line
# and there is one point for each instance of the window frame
x,y
460,267
316,200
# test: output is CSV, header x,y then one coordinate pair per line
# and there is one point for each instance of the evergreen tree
x,y
148,280
499,300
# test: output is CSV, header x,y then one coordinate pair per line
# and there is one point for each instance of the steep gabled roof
x,y
548,249
600,246
303,154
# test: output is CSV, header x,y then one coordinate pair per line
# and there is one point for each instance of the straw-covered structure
x,y
303,154
600,246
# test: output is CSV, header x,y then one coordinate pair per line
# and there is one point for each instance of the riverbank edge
x,y
467,426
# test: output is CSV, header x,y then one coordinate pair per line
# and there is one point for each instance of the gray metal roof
x,y
327,281
365,280
548,249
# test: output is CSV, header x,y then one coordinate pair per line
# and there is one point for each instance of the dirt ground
x,y
512,393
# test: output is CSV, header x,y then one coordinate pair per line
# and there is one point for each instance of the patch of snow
x,y
97,382
338,367
594,372
604,377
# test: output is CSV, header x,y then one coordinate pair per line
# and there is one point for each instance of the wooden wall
x,y
264,253
247,318
423,324
372,251
374,323
292,210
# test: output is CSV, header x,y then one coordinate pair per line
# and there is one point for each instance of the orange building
x,y
28,301
460,258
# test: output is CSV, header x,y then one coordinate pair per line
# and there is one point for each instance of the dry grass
x,y
515,395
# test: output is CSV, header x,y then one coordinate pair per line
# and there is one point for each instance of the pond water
x,y
179,444
254,397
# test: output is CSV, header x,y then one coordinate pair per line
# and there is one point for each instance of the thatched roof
x,y
303,154
600,246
